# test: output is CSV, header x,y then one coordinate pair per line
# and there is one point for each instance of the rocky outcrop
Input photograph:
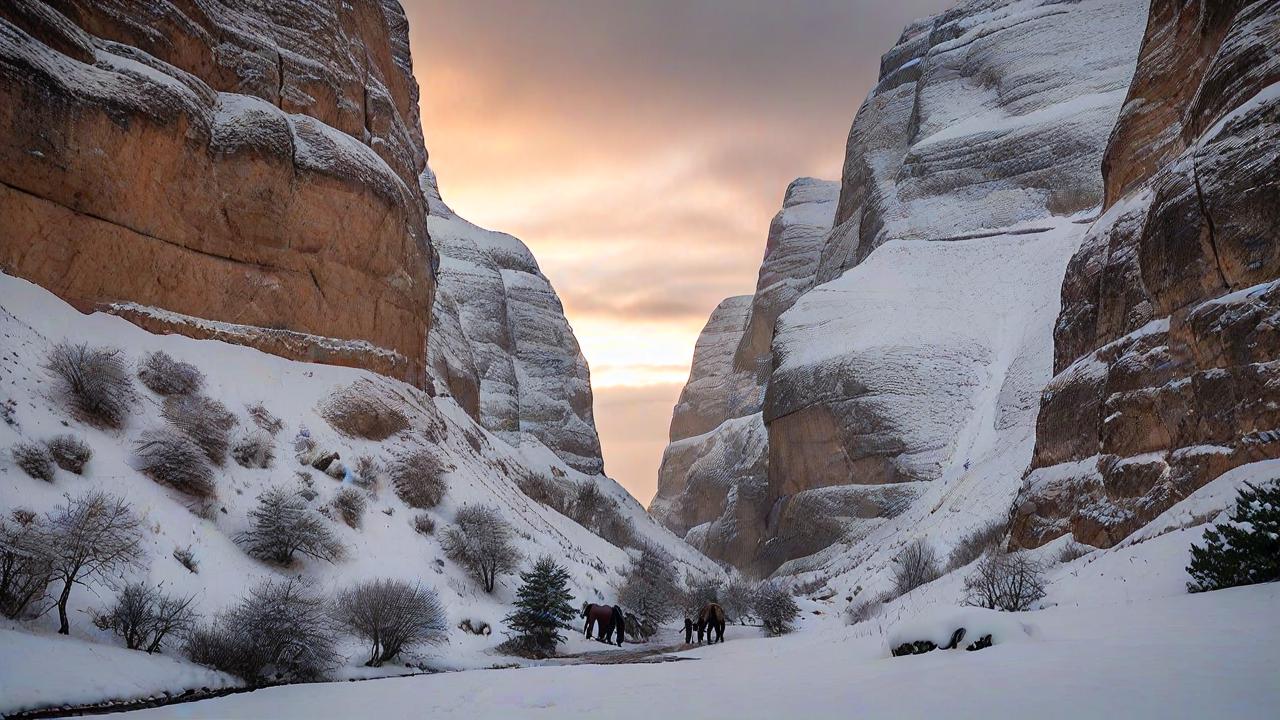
x,y
250,164
914,353
1166,348
501,344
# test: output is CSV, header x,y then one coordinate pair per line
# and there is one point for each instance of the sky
x,y
640,150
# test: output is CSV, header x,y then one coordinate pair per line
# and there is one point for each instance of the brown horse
x,y
711,620
608,620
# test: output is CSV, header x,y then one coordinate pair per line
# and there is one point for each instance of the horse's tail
x,y
619,623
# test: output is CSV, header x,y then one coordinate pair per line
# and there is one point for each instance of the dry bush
x,y
281,627
263,418
650,590
597,512
418,477
94,381
35,460
143,616
615,528
916,565
26,568
368,473
1012,582
1072,551
775,607
165,376
187,558
93,537
363,409
975,543
543,490
282,526
256,449
735,598
391,616
480,541
171,458
204,420
350,504
423,524
69,452
864,608
586,502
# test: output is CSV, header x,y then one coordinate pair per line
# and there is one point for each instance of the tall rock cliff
x,y
905,375
1166,348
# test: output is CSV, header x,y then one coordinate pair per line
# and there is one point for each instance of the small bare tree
x,y
391,615
35,460
775,607
282,525
26,569
735,598
144,616
92,537
69,452
171,458
916,565
418,477
650,589
165,376
94,381
204,420
480,541
1012,582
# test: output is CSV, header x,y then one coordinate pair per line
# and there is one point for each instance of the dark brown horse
x,y
608,620
711,620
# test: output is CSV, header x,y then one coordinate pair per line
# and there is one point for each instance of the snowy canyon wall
x,y
1166,350
904,367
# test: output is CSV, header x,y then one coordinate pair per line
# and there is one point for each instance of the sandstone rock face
x,y
500,343
235,169
1166,347
904,375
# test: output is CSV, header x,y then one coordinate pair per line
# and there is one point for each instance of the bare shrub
x,y
171,458
480,541
975,543
775,607
92,537
587,500
281,631
599,513
615,528
543,490
255,449
69,452
263,418
423,524
1072,551
187,558
391,616
363,409
735,598
143,616
650,590
165,376
94,381
418,477
35,460
350,504
916,565
282,526
204,420
863,608
26,568
1012,582
368,472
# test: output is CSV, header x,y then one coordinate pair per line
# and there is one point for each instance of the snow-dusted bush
x,y
165,376
263,418
143,616
187,558
735,598
280,630
418,477
390,615
700,592
282,526
423,524
363,409
775,607
1245,549
650,589
204,420
94,381
26,568
92,537
597,512
34,459
69,452
1072,551
350,504
1012,582
171,458
542,606
975,543
587,500
254,449
543,490
480,542
916,565
368,472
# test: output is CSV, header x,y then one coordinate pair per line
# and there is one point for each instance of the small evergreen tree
x,y
1244,550
542,605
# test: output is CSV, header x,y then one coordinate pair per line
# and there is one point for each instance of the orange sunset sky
x,y
640,150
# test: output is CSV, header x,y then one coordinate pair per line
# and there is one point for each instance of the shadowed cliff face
x,y
1166,346
250,164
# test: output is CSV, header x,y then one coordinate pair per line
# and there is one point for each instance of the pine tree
x,y
542,605
1246,549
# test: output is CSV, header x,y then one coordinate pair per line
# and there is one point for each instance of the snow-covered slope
x,y
485,469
